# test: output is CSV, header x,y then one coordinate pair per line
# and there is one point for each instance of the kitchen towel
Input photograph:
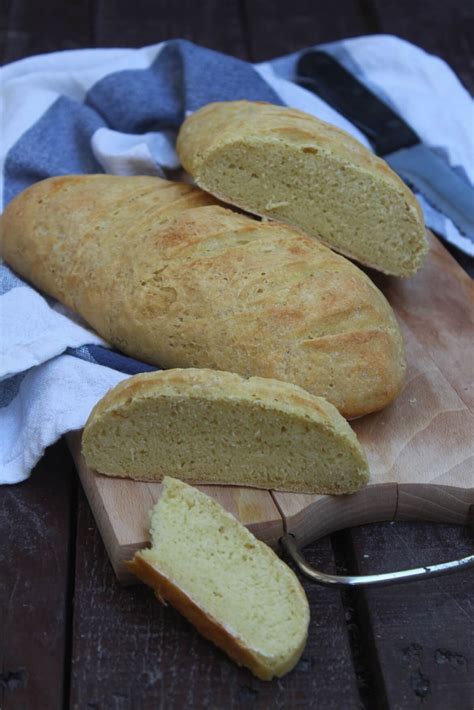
x,y
118,111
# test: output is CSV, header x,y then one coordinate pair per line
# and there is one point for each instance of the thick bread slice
x,y
284,164
206,426
167,276
232,587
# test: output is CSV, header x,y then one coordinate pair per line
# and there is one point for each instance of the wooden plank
x,y
438,305
129,651
35,520
443,28
414,475
311,517
447,504
422,634
34,29
283,27
406,442
212,24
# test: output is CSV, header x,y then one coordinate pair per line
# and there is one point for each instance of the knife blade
x,y
391,137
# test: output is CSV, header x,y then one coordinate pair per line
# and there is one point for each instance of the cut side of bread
x,y
232,587
289,166
167,276
217,427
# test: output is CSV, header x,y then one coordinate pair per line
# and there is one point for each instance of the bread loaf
x,y
286,165
232,587
169,277
206,426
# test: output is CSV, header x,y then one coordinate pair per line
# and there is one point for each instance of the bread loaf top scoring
x,y
207,426
168,276
289,166
231,586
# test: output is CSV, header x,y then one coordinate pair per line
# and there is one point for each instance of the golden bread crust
x,y
166,591
223,390
168,276
224,122
216,135
215,384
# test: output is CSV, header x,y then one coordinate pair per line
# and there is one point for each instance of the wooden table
x,y
69,635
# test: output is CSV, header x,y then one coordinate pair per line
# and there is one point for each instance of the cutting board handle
x,y
312,517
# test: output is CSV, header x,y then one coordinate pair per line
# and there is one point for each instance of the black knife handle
x,y
325,77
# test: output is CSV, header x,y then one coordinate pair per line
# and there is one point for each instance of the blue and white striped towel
x,y
118,111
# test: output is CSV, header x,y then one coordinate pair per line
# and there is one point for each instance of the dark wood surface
x,y
69,635
37,537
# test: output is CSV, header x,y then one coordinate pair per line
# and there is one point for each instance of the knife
x,y
390,136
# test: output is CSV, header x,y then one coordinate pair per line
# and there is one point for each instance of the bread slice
x,y
217,427
232,587
284,164
167,276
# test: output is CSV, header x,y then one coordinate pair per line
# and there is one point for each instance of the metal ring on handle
x,y
290,545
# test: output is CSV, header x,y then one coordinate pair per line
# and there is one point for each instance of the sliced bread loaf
x,y
232,587
217,427
287,165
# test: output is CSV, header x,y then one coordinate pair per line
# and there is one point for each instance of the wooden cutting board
x,y
420,449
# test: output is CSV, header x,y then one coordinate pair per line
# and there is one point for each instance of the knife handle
x,y
325,77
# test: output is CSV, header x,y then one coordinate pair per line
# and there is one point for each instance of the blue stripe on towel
x,y
131,101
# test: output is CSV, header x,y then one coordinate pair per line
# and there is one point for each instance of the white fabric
x,y
33,332
27,424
